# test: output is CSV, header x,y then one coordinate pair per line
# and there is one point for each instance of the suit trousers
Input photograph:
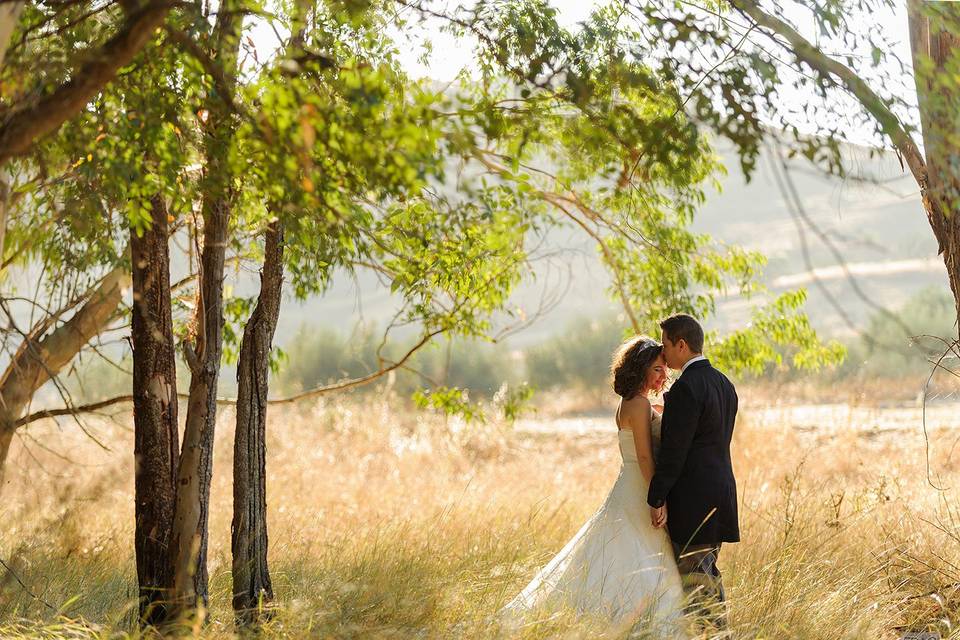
x,y
702,582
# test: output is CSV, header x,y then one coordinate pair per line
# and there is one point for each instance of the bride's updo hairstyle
x,y
631,364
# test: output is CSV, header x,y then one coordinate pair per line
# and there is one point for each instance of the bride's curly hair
x,y
631,364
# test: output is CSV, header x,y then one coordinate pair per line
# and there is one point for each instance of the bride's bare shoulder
x,y
634,409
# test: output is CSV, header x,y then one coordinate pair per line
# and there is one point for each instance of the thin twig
x,y
25,587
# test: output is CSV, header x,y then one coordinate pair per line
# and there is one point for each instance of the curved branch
x,y
69,411
562,202
608,255
310,393
356,382
38,361
843,76
19,131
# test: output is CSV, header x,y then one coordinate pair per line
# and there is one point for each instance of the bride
x,y
618,565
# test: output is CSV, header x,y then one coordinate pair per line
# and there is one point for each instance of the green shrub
x,y
577,357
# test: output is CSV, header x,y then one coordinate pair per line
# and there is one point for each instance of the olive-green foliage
x,y
776,334
443,195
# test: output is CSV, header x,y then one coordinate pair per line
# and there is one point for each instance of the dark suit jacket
x,y
694,475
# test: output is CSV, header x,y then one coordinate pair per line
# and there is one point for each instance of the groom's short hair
x,y
681,325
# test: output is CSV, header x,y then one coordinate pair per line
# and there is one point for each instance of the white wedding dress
x,y
617,565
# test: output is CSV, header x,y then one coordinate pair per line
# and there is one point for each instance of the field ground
x,y
392,524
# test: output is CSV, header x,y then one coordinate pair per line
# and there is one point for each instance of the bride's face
x,y
657,376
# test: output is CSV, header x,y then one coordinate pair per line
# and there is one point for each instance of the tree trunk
x,y
9,15
251,576
203,356
935,44
196,458
154,415
37,360
6,437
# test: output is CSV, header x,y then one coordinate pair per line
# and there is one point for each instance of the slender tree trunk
x,y
203,356
154,415
251,576
935,44
196,457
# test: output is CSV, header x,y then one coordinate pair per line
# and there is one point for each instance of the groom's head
x,y
682,339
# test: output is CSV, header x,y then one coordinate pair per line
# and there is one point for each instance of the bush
x,y
892,346
579,357
321,355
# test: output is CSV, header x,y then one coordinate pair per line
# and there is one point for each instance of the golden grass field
x,y
386,523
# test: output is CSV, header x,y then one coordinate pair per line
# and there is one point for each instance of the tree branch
x,y
562,203
69,411
840,75
39,361
310,393
19,131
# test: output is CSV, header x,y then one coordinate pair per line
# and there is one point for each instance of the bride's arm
x,y
637,414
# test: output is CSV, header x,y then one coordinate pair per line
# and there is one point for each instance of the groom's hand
x,y
658,516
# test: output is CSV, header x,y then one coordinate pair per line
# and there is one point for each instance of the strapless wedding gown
x,y
617,565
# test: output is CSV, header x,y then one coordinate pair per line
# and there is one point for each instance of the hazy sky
x,y
449,55
448,58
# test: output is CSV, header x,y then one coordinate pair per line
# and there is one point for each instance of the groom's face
x,y
672,353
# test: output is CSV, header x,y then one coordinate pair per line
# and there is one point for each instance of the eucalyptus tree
x,y
54,59
140,145
218,197
124,175
605,137
337,133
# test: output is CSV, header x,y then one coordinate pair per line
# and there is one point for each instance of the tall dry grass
x,y
386,523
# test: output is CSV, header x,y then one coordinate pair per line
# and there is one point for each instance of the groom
x,y
694,475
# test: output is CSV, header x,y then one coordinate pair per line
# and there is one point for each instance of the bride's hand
x,y
658,408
